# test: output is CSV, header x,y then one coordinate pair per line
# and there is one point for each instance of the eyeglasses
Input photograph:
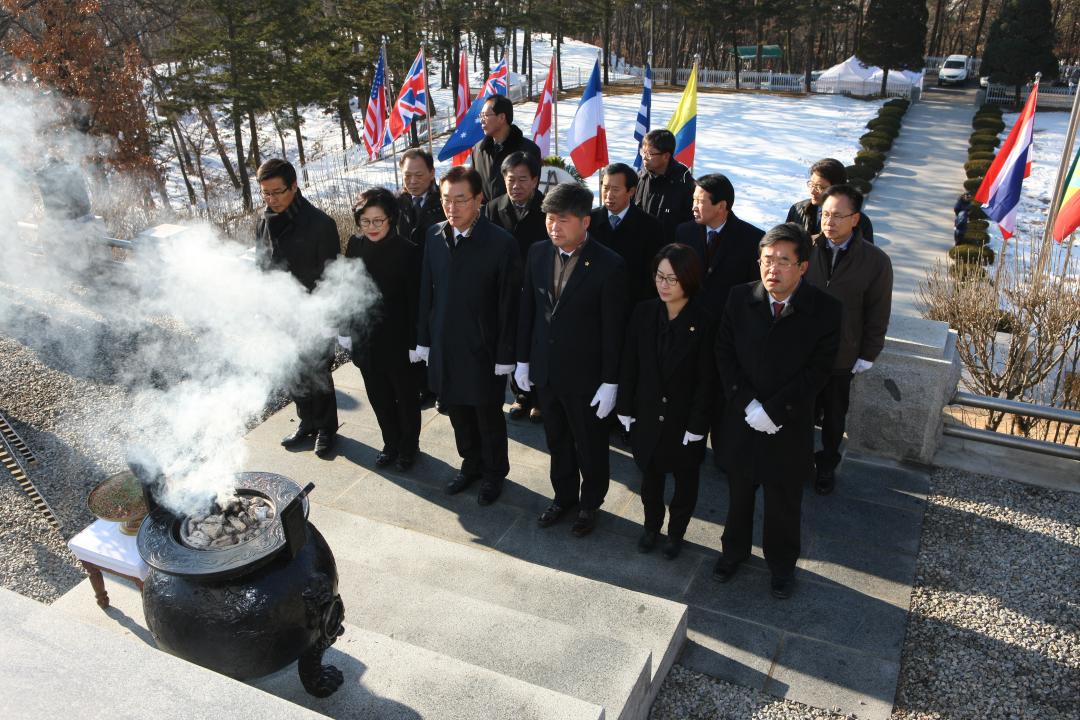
x,y
456,202
769,261
271,194
834,216
814,187
374,223
666,280
647,154
488,114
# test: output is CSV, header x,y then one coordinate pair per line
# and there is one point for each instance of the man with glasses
x,y
774,350
501,138
469,287
295,236
823,174
666,187
860,276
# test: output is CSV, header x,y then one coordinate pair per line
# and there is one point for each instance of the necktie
x,y
564,257
615,220
777,308
710,246
457,239
418,201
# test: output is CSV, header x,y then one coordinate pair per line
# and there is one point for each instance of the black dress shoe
x,y
551,516
673,548
427,400
459,483
299,435
624,438
536,416
585,523
324,442
489,492
517,411
825,481
405,461
647,541
781,587
385,458
725,569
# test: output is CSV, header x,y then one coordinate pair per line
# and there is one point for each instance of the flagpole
x,y
388,89
554,69
427,98
1059,186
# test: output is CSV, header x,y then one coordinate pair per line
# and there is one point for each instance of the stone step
x,y
389,679
53,665
586,607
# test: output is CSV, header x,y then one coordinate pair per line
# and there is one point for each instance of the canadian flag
x,y
464,100
586,137
541,126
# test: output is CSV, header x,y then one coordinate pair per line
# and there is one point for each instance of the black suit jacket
x,y
781,363
668,395
637,240
468,312
526,230
383,336
735,260
413,225
300,242
808,215
573,346
487,160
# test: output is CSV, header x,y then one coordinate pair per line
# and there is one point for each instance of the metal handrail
x,y
1014,407
1016,442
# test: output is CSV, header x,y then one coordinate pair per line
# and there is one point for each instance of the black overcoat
x,y
735,260
669,197
301,243
637,240
383,336
668,398
468,312
808,215
783,364
527,230
487,160
574,345
413,225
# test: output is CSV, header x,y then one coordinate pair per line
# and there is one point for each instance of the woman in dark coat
x,y
666,389
383,337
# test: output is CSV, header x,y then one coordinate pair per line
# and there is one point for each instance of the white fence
x,y
1049,96
781,82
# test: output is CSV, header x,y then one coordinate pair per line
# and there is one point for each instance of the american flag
x,y
411,101
375,118
496,82
641,129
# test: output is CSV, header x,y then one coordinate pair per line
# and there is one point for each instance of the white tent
x,y
897,78
851,70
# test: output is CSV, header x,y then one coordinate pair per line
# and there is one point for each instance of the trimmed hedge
x,y
891,110
884,122
898,102
862,172
975,236
989,109
972,184
971,254
873,154
976,168
988,123
874,163
977,155
988,136
875,143
975,213
981,146
978,224
863,186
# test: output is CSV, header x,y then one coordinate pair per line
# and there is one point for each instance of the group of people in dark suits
x,y
660,309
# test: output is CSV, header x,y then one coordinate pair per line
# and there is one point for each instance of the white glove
x,y
419,354
604,399
521,377
689,437
757,418
626,421
503,369
345,342
861,366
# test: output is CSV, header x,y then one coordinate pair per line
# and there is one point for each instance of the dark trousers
x,y
577,442
683,501
832,405
524,398
395,399
313,392
780,533
480,434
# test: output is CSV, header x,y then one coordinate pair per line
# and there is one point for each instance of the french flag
x,y
999,193
586,137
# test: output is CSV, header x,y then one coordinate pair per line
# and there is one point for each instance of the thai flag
x,y
464,97
644,114
411,101
999,193
375,117
586,137
468,131
541,126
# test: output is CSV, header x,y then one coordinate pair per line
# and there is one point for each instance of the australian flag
x,y
644,114
468,131
375,118
411,101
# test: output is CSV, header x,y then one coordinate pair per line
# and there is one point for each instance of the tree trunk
x,y
299,140
238,139
979,27
607,40
884,80
180,158
253,128
211,127
932,50
345,113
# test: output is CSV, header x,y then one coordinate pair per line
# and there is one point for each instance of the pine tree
x,y
894,36
1020,44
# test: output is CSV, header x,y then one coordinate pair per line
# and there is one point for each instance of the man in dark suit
x,y
666,187
519,213
469,286
824,174
774,351
627,229
295,236
728,246
501,138
570,332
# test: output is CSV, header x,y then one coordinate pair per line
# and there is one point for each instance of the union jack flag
x,y
496,82
375,118
411,101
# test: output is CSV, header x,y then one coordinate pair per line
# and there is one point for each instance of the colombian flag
x,y
1068,215
684,122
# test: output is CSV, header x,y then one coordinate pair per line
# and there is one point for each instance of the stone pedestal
x,y
896,407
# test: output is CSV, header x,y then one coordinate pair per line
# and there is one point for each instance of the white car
x,y
954,71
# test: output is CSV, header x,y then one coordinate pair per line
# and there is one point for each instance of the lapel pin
x,y
586,263
691,328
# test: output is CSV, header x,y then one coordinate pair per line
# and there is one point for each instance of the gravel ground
x,y
994,630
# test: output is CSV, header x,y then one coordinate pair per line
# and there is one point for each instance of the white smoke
x,y
199,337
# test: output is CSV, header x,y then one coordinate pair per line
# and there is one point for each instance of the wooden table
x,y
101,547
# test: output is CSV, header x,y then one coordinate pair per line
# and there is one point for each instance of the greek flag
x,y
643,114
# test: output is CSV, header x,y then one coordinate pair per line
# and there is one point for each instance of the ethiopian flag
x,y
684,122
1068,214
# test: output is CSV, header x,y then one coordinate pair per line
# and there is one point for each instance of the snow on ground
x,y
1048,141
